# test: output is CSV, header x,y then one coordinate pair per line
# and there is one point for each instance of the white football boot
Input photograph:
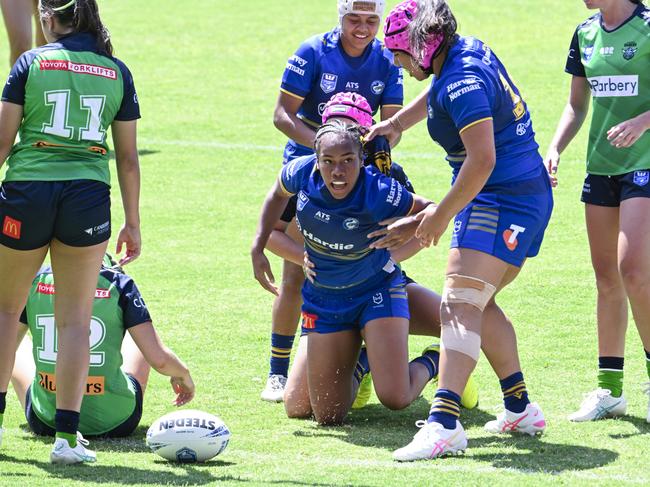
x,y
433,441
645,390
63,454
531,421
274,390
599,404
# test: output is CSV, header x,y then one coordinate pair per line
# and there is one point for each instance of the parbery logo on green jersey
x,y
614,86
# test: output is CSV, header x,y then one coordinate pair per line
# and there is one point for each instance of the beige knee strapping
x,y
468,290
454,336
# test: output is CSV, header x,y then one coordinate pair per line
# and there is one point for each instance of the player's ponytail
x,y
351,132
433,17
81,16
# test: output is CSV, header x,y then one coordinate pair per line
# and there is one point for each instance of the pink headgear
x,y
396,35
349,105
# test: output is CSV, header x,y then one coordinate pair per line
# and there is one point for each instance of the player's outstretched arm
x,y
128,174
164,361
284,246
286,120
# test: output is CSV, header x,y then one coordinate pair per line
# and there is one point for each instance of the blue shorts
x,y
33,213
506,221
325,311
611,190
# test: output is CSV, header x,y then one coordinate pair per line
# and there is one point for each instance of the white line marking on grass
x,y
439,466
214,144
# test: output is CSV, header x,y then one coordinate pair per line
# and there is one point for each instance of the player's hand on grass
x,y
433,224
552,161
386,128
183,388
129,238
262,271
625,134
308,268
396,233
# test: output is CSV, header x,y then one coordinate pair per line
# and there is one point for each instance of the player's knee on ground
x,y
393,400
296,404
330,414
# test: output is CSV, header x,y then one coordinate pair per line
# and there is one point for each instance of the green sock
x,y
612,380
72,439
2,416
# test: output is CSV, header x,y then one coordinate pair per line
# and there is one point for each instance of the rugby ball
x,y
188,436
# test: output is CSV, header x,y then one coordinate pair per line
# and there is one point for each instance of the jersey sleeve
x,y
389,198
14,89
465,99
130,108
134,309
378,154
394,91
298,76
574,64
397,172
23,317
295,175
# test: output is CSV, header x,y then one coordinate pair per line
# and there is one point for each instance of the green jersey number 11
x,y
59,124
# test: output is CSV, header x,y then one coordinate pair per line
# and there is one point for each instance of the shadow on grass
x,y
375,426
641,425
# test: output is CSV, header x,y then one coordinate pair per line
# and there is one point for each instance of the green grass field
x,y
207,74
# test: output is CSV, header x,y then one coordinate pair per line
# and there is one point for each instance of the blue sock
x,y
445,408
67,424
280,354
515,395
430,360
363,366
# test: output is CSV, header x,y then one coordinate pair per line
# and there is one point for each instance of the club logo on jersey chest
x,y
351,224
629,50
328,82
377,87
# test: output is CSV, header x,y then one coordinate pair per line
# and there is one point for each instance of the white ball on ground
x,y
188,436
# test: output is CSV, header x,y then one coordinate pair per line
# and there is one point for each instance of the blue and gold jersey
x,y
336,231
472,87
320,68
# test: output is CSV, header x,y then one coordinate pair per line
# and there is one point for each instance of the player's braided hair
x,y
433,17
344,130
81,16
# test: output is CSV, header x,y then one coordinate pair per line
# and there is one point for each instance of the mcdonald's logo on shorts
x,y
11,227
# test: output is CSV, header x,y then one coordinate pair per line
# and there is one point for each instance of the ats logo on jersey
x,y
63,65
11,227
328,82
510,236
309,321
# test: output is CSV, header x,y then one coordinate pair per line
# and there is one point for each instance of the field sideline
x,y
207,74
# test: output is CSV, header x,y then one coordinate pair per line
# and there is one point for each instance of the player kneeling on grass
x,y
359,292
119,364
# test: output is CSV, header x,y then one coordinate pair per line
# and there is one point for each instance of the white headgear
x,y
361,7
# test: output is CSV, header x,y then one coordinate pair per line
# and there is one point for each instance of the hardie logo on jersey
x,y
377,87
302,201
328,82
629,50
587,53
351,223
641,178
510,236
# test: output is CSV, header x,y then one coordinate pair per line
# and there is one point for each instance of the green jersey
x,y
109,398
617,67
70,93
